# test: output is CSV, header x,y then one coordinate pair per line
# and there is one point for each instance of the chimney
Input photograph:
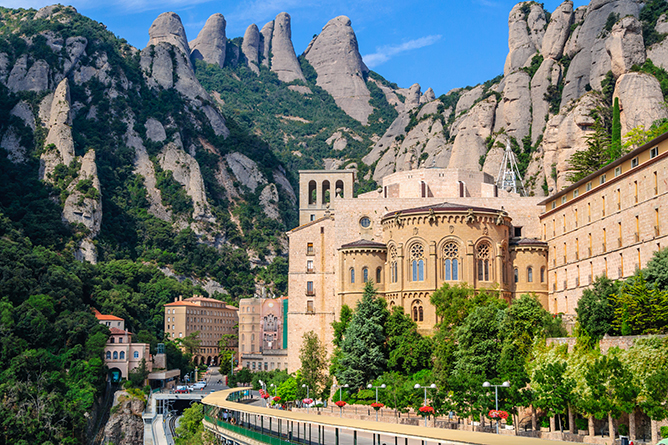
x,y
180,297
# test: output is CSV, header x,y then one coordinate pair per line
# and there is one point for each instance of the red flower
x,y
494,414
307,401
276,399
426,410
377,405
340,403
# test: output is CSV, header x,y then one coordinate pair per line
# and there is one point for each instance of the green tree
x,y
640,309
363,347
408,351
553,389
596,155
313,358
191,430
340,326
616,138
139,374
595,308
190,342
656,272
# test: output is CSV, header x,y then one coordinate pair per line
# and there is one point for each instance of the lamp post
x,y
263,386
505,384
418,386
308,406
273,386
370,386
340,389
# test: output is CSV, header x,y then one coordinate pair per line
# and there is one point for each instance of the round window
x,y
365,222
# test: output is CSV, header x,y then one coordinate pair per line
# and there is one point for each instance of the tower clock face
x,y
365,222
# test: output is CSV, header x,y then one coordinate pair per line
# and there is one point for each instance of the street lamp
x,y
505,384
340,389
308,406
370,386
418,386
273,386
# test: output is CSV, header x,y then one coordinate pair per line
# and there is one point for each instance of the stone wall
x,y
606,343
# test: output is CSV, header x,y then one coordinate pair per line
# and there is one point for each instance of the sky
x,y
436,43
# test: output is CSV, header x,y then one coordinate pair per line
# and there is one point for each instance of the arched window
x,y
115,355
483,255
311,192
421,312
415,313
417,261
111,340
352,275
516,275
379,273
122,356
108,355
542,274
450,262
529,274
393,265
326,195
136,354
365,274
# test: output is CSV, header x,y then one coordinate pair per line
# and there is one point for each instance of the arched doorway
x,y
115,375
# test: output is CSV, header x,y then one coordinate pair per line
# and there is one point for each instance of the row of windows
x,y
202,312
529,274
365,274
120,356
654,152
267,366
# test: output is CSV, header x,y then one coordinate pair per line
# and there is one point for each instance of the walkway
x,y
266,425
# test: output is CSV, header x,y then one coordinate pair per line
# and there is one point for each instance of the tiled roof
x,y
100,316
364,243
527,242
116,331
442,207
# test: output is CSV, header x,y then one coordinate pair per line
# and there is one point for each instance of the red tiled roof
x,y
116,331
100,316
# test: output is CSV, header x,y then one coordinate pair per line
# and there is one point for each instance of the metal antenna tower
x,y
509,177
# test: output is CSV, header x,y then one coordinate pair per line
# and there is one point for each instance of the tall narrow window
x,y
451,262
309,249
365,274
379,273
576,217
619,199
421,313
352,275
605,243
122,355
635,190
588,212
417,261
657,227
516,275
619,240
656,184
115,355
542,274
637,234
393,265
602,205
483,254
577,249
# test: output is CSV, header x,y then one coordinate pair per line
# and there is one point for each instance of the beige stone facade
x,y
211,318
420,229
262,333
609,223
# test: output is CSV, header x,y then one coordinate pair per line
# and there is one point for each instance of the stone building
x,y
211,318
420,229
609,223
121,355
263,334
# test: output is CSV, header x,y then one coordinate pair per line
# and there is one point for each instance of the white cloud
x,y
385,53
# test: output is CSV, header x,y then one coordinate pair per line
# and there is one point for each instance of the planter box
x,y
545,429
583,432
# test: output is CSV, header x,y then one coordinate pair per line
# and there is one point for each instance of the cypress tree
x,y
616,140
363,347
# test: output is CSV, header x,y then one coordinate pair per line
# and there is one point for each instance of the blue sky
x,y
436,43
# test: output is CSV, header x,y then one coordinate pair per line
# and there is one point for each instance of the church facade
x,y
419,230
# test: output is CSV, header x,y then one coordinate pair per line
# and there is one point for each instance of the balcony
x,y
310,270
310,293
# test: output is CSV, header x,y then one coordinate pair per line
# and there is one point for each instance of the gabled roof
x,y
442,207
364,243
116,331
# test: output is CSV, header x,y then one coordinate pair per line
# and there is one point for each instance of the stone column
x,y
534,421
434,265
469,271
592,431
632,425
318,195
655,430
611,427
571,421
552,424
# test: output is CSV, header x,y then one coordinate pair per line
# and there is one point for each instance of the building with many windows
x,y
209,317
419,230
609,223
263,333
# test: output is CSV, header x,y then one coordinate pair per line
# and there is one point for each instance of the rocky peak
x,y
265,42
59,145
557,31
625,45
168,28
284,60
211,42
525,34
250,47
335,56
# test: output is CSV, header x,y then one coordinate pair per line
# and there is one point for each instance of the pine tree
x,y
616,140
363,347
596,155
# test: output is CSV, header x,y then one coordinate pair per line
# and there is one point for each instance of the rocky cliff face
x,y
335,56
211,43
283,58
125,425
